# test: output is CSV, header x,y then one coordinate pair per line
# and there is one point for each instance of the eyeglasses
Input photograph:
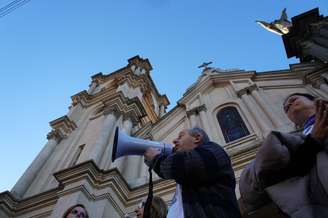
x,y
288,102
76,212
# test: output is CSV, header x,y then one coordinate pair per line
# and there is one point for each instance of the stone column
x,y
129,163
32,171
254,110
122,161
102,141
266,108
204,118
193,120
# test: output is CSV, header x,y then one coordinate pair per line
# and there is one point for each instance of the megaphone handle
x,y
150,195
150,191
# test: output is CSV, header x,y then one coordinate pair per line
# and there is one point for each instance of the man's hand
x,y
320,128
151,153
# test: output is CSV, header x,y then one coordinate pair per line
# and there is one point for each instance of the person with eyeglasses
x,y
202,170
291,169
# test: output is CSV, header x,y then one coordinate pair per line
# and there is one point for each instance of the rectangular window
x,y
77,155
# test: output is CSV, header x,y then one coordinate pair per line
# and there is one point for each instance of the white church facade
x,y
237,108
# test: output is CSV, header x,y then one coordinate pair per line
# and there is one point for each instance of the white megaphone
x,y
128,145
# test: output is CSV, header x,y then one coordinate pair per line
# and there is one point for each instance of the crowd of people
x,y
289,170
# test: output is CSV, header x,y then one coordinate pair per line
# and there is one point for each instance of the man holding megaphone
x,y
203,173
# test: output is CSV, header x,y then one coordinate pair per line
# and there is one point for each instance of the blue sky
x,y
49,50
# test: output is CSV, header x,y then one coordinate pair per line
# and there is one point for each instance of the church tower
x,y
126,98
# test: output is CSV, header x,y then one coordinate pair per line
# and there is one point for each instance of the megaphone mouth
x,y
115,144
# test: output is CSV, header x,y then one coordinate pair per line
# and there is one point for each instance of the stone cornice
x,y
133,81
295,71
98,78
8,203
196,110
145,131
73,180
277,75
125,106
214,79
315,77
116,101
55,134
63,122
247,89
164,100
62,127
15,207
82,97
144,81
87,100
100,179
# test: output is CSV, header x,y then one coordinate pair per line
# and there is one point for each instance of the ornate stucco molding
x,y
125,106
247,90
94,183
81,97
196,110
62,127
13,207
112,179
55,134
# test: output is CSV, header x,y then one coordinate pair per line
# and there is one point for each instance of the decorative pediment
x,y
214,76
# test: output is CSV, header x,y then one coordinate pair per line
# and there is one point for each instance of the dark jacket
x,y
206,178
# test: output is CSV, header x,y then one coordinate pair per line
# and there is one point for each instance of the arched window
x,y
231,123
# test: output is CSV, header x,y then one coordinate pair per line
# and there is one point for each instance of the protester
x,y
203,173
292,169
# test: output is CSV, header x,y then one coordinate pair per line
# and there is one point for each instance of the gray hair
x,y
198,131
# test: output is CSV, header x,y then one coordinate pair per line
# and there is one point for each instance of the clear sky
x,y
50,49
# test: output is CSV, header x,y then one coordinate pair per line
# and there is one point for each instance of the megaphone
x,y
127,145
